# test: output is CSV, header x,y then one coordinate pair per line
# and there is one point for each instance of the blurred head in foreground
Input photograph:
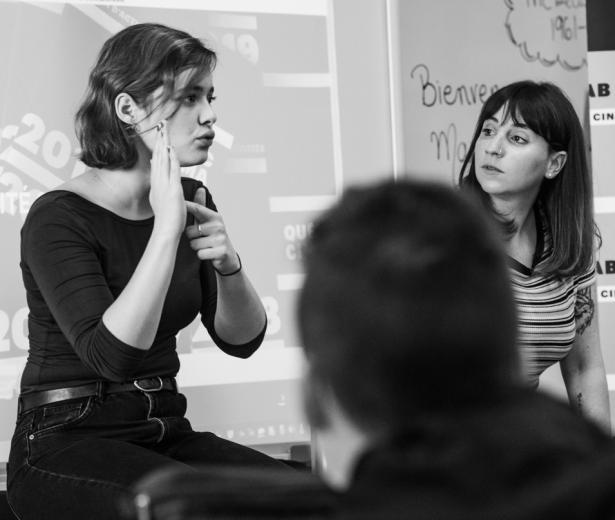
x,y
406,309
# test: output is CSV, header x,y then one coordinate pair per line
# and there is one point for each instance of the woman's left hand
x,y
208,236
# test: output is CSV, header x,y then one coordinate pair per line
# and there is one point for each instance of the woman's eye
x,y
487,131
518,139
211,99
190,99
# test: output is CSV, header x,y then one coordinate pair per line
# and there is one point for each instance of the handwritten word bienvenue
x,y
434,93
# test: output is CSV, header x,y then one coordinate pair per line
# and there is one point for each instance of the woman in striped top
x,y
527,164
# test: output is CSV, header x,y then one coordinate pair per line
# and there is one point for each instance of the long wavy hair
x,y
137,60
567,199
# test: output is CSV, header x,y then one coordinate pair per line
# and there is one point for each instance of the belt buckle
x,y
137,382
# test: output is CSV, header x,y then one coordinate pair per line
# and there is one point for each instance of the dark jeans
x,y
79,458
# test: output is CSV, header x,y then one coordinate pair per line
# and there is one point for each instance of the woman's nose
x,y
496,147
207,116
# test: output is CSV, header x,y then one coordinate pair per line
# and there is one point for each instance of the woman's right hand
x,y
166,194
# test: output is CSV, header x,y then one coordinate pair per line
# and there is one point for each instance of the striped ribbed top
x,y
546,309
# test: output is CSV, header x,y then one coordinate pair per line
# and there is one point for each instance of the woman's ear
x,y
557,160
126,108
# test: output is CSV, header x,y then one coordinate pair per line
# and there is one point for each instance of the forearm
x,y
240,315
588,394
135,315
583,368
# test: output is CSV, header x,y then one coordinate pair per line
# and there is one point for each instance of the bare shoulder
x,y
84,184
89,186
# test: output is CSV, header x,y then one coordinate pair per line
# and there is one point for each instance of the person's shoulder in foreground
x,y
529,457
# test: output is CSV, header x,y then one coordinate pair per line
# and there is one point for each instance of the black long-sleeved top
x,y
76,258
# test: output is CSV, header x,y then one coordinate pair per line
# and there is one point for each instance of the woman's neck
x,y
521,244
515,210
126,191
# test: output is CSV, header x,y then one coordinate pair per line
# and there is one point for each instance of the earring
x,y
134,126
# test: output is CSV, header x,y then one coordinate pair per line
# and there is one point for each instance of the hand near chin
x,y
166,194
208,236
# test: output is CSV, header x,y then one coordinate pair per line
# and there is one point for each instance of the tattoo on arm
x,y
584,310
580,401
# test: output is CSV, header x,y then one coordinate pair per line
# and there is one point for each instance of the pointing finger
x,y
200,197
200,212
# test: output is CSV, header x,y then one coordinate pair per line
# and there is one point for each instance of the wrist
x,y
231,270
166,235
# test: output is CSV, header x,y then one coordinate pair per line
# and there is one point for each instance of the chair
x,y
224,493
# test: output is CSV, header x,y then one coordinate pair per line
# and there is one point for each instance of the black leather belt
x,y
44,397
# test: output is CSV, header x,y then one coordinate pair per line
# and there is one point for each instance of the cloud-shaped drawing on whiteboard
x,y
549,31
